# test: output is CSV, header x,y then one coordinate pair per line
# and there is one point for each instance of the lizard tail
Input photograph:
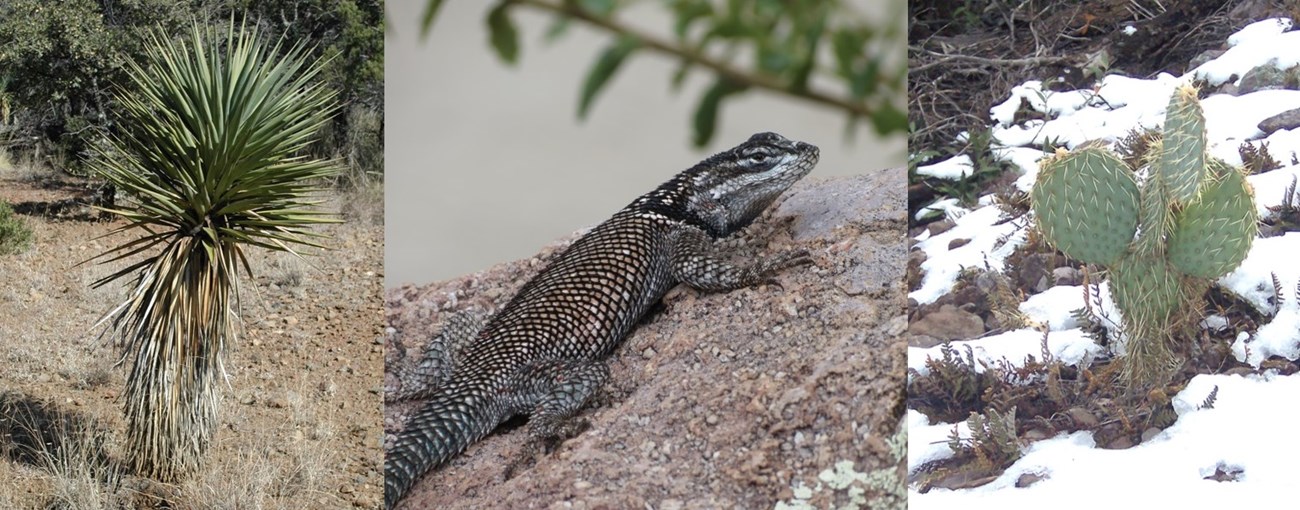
x,y
445,426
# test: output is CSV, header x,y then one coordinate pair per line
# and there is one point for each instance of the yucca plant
x,y
210,153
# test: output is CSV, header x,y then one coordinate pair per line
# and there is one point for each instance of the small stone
x,y
1028,479
1289,119
1067,276
1083,418
582,485
941,226
948,323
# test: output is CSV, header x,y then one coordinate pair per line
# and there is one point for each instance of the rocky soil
x,y
299,421
730,400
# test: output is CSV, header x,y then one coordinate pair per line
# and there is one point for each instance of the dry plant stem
x,y
724,70
948,58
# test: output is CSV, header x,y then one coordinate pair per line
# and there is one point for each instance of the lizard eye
x,y
758,157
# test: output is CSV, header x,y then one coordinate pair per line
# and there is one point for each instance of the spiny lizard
x,y
542,354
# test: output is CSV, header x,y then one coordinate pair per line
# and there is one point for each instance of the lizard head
x,y
732,188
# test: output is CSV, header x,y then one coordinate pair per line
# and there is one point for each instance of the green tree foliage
x,y
59,62
210,145
794,47
349,36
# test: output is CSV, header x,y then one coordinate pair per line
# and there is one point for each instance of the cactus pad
x,y
1086,203
1213,234
1181,163
1146,290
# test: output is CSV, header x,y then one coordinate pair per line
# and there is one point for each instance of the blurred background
x,y
488,160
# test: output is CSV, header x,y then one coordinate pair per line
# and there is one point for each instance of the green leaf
x,y
812,37
426,20
602,8
679,76
774,59
888,119
559,26
848,46
504,36
688,12
706,114
606,65
865,82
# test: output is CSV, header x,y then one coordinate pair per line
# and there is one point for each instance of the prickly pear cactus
x,y
1193,216
1087,205
1213,233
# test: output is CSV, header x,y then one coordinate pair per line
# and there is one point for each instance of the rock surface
x,y
1289,119
719,400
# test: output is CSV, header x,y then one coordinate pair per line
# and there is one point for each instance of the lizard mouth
x,y
807,157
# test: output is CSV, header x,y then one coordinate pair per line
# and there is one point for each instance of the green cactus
x,y
1215,230
1181,160
1086,203
1197,220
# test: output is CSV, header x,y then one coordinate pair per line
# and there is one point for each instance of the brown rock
x,y
948,323
1289,119
1027,479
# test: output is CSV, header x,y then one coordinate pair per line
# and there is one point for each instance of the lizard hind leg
x,y
554,391
441,354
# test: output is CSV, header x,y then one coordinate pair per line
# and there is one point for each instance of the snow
x,y
1258,44
989,245
1249,427
954,168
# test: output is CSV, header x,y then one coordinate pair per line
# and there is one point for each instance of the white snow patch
x,y
1070,346
953,169
1263,29
1031,91
1251,51
989,245
1053,306
1248,429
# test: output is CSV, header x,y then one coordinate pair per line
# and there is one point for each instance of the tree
x,y
349,34
785,37
58,61
210,148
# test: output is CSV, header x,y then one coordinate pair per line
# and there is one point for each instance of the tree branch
x,y
723,69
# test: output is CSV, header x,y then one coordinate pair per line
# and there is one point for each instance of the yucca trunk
x,y
172,391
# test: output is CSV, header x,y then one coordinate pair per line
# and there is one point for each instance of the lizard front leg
x,y
697,261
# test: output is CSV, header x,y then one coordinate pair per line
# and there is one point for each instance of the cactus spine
x,y
1164,240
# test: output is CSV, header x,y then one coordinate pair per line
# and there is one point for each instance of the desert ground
x,y
300,413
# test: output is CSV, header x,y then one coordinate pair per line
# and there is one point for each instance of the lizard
x,y
542,354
